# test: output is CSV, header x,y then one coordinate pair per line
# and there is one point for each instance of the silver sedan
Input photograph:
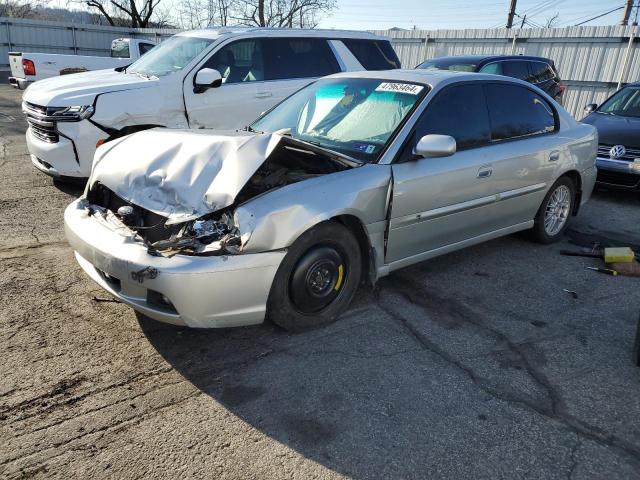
x,y
350,178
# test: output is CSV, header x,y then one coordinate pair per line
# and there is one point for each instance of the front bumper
x,y
19,83
71,155
618,173
204,292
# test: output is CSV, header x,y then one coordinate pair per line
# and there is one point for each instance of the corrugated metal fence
x,y
24,35
591,60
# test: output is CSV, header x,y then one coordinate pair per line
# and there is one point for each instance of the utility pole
x,y
512,12
627,12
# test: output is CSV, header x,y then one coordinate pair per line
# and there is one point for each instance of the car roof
x,y
433,78
484,58
217,32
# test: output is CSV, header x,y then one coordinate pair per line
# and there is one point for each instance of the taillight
x,y
562,88
28,67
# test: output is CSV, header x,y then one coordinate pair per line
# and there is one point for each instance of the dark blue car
x,y
618,124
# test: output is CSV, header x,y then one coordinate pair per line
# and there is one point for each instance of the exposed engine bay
x,y
214,233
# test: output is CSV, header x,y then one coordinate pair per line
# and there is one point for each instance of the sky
x,y
452,14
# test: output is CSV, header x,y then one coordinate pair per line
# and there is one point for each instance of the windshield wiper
x,y
249,128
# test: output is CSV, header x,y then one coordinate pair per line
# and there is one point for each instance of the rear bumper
x,y
618,173
20,83
204,292
588,179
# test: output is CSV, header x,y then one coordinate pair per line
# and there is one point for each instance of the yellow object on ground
x,y
618,255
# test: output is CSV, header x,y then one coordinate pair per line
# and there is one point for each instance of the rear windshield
x,y
373,54
455,64
120,49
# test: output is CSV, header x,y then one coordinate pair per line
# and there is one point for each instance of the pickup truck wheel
x,y
552,218
317,278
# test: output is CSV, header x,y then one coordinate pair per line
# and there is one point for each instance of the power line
x,y
598,16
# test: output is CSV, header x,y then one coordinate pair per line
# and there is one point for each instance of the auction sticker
x,y
409,88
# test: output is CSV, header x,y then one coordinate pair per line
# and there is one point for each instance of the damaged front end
x,y
214,234
181,193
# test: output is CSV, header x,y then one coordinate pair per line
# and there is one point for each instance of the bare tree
x,y
203,13
282,13
131,13
21,8
552,21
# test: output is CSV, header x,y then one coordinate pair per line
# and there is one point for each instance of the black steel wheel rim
x,y
317,279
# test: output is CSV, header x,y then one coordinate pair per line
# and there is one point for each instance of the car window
x,y
541,72
145,47
170,56
298,58
494,68
120,49
238,62
459,111
515,111
448,64
373,54
516,69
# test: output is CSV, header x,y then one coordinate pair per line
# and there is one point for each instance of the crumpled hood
x,y
180,174
81,88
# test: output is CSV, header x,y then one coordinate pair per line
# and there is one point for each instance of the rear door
x,y
525,149
442,201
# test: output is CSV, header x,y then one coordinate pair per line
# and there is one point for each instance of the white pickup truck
x,y
30,67
222,79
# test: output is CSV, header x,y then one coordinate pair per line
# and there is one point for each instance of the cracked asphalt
x,y
473,365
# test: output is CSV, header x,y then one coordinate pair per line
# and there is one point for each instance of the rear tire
x,y
317,278
553,215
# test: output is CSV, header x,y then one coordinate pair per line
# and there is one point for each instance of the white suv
x,y
219,79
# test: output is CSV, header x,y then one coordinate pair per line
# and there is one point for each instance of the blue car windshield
x,y
353,116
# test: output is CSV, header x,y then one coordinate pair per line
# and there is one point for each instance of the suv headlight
x,y
73,114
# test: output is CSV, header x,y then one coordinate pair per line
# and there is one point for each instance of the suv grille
x,y
41,125
629,156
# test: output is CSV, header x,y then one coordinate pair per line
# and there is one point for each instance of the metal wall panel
x,y
26,35
590,60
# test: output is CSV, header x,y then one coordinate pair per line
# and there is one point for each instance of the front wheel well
x,y
356,227
575,177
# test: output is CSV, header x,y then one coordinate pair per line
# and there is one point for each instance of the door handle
x,y
263,95
554,156
485,172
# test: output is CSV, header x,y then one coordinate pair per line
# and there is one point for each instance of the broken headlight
x,y
202,236
73,114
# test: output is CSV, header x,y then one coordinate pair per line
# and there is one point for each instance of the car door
x,y
235,103
525,150
442,201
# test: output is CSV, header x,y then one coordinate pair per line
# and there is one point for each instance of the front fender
x,y
275,220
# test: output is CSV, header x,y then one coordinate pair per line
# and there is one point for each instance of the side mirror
x,y
591,107
431,146
205,79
